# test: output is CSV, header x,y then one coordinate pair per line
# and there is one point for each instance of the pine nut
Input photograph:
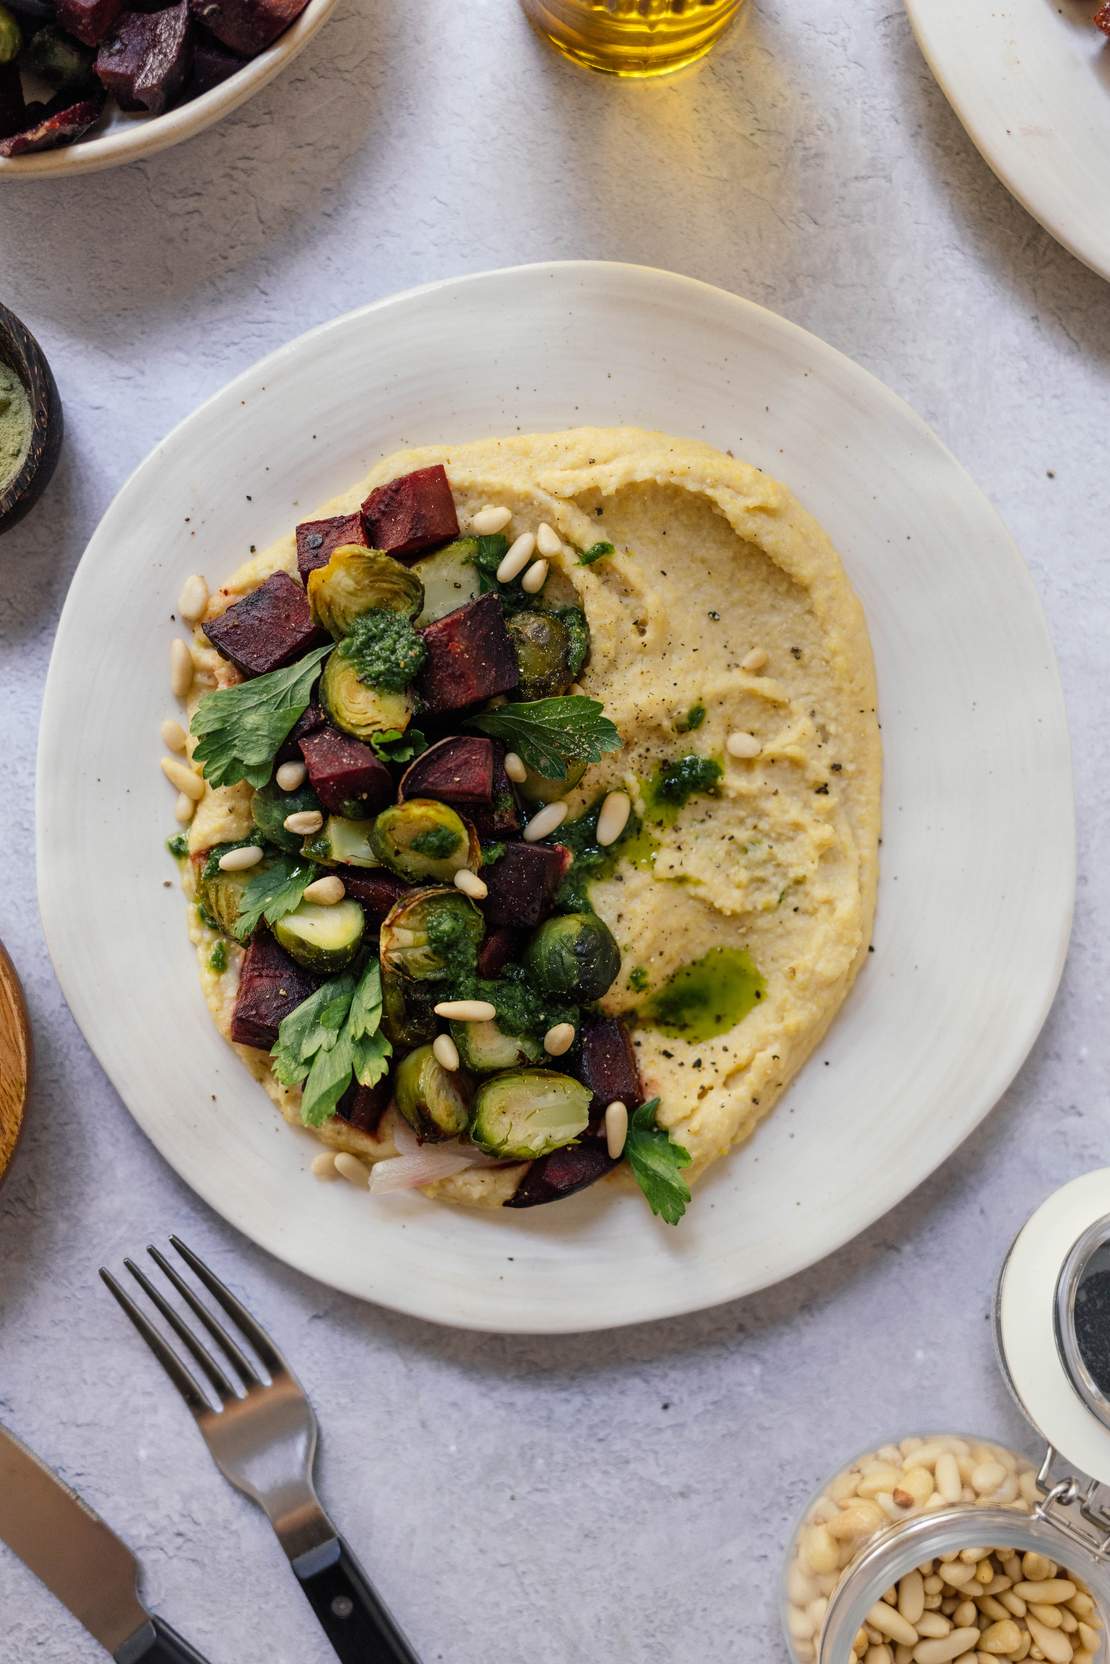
x,y
743,745
818,1550
958,1573
964,1614
1036,1568
184,809
880,1653
489,520
323,1165
185,779
753,663
934,1625
515,767
238,860
987,1477
290,776
466,1011
613,818
616,1129
471,885
516,558
1048,1592
304,821
1052,1642
890,1622
544,823
1000,1638
352,1169
174,737
939,1652
1013,1603
445,1052
911,1596
181,668
948,1477
799,1588
558,1040
193,599
992,1608
1049,1615
535,578
858,1519
1088,1637
325,892
548,541
917,1483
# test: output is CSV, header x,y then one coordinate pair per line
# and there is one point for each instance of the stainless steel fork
x,y
262,1436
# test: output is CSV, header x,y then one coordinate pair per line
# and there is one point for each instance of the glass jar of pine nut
x,y
935,1550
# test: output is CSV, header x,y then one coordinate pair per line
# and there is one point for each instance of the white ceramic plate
x,y
977,864
124,138
1030,80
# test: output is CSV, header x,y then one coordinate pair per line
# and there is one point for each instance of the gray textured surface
x,y
621,1497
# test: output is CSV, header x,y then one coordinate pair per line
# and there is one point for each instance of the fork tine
x,y
167,1357
243,1368
234,1308
197,1350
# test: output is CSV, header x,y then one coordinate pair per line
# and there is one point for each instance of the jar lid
x,y
1052,1322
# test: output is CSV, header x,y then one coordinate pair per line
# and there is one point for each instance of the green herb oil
x,y
706,997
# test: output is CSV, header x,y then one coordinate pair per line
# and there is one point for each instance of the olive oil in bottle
x,y
632,38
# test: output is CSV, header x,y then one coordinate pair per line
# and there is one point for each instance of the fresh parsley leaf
x,y
371,1050
596,551
550,734
655,1160
312,1027
490,552
271,892
240,729
328,1079
394,747
330,1037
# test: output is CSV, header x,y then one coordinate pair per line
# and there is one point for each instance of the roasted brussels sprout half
x,y
536,788
542,648
431,934
527,1113
356,580
356,708
408,1014
484,1048
573,956
341,843
433,1100
573,620
322,939
220,894
425,839
11,36
270,806
59,60
450,578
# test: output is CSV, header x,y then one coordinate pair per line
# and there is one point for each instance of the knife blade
x,y
81,1561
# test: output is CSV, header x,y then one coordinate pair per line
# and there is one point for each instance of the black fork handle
x,y
349,1609
157,1643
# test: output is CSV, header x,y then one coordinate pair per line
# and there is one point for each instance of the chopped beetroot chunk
x,y
269,627
247,26
55,124
470,657
345,774
607,1065
454,771
317,538
212,65
523,882
502,818
412,513
499,947
147,57
362,1107
13,105
374,887
270,987
307,723
89,20
560,1174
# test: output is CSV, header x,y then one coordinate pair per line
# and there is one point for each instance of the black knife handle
x,y
351,1613
157,1643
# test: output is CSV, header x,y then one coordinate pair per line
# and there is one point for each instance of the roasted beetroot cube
x,y
374,887
470,657
89,20
270,987
55,124
147,57
317,538
13,106
269,627
345,774
307,723
560,1174
412,513
362,1107
247,26
212,65
522,884
502,818
607,1065
454,771
499,947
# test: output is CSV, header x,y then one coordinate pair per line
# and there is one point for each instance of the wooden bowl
x,y
15,1059
21,352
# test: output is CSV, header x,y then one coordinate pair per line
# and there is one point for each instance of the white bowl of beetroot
x,y
88,84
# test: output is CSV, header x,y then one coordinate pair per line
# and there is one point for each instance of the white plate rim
x,y
997,1074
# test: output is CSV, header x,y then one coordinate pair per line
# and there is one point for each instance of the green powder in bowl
x,y
15,425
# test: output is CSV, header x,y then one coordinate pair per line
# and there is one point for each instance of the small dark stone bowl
x,y
21,352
